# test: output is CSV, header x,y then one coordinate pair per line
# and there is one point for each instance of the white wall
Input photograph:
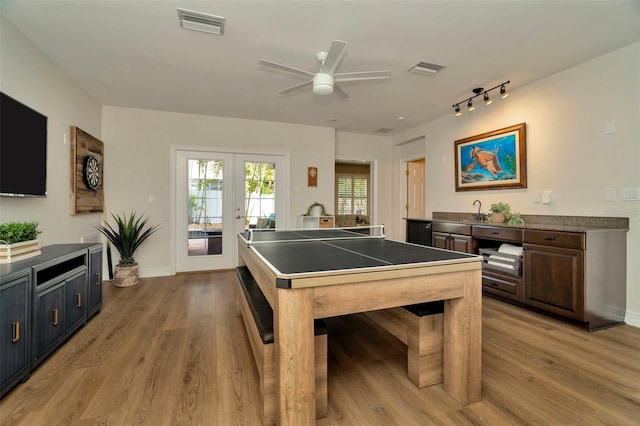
x,y
31,78
568,151
377,151
137,163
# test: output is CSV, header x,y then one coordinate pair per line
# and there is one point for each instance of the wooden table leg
x,y
295,357
462,365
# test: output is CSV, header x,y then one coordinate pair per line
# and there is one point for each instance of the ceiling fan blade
x,y
286,68
296,87
338,91
334,55
364,75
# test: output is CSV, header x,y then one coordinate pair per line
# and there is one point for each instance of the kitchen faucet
x,y
479,215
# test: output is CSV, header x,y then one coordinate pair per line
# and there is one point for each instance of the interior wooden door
x,y
415,189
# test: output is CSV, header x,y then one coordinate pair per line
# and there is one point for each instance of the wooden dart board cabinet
x,y
87,172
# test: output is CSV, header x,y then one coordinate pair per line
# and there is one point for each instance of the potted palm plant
x,y
128,234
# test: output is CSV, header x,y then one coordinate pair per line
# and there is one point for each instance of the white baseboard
x,y
632,318
154,272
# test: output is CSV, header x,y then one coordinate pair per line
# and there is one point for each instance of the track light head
x,y
487,99
470,105
503,92
457,110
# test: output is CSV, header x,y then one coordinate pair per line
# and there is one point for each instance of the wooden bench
x,y
420,327
257,316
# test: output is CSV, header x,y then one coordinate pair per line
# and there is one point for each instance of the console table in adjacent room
x,y
43,301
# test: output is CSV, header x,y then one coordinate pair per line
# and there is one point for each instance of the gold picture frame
x,y
492,160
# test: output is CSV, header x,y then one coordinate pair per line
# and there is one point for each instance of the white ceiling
x,y
134,53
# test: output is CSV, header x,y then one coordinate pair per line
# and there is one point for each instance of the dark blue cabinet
x,y
43,301
15,329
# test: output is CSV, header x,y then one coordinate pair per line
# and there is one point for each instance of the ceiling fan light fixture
x,y
323,84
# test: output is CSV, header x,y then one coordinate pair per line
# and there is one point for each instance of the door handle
x,y
15,331
55,317
78,300
239,217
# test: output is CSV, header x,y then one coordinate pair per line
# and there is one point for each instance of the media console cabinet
x,y
43,301
572,267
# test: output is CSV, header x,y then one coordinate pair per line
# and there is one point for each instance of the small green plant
x,y
316,204
503,208
515,219
17,232
127,236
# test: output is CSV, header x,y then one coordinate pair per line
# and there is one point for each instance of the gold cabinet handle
x,y
55,317
15,331
98,280
78,300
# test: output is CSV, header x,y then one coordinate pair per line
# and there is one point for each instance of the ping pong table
x,y
321,273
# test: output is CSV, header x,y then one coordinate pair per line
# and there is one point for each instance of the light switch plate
x,y
609,194
631,194
546,197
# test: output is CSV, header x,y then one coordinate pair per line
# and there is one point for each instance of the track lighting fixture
x,y
485,93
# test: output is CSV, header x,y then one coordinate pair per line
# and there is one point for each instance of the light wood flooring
x,y
172,351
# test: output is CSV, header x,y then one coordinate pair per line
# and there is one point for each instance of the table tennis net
x,y
256,236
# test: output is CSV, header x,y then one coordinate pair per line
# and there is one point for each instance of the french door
x,y
219,194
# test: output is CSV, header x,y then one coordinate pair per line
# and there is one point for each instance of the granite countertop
x,y
544,222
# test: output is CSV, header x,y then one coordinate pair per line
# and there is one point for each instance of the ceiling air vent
x,y
198,21
425,68
384,130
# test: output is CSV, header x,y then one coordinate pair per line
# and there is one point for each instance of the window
x,y
352,194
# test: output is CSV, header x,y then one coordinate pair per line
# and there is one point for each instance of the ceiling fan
x,y
324,81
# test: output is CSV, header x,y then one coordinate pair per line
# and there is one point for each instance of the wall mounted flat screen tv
x,y
23,150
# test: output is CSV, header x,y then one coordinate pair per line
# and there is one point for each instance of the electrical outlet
x,y
546,197
609,127
91,238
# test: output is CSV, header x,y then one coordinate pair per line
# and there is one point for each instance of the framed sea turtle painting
x,y
492,160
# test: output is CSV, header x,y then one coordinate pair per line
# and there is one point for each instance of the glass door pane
x,y
259,194
204,217
205,212
261,188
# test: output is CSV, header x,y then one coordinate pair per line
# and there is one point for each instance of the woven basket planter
x,y
126,276
497,218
